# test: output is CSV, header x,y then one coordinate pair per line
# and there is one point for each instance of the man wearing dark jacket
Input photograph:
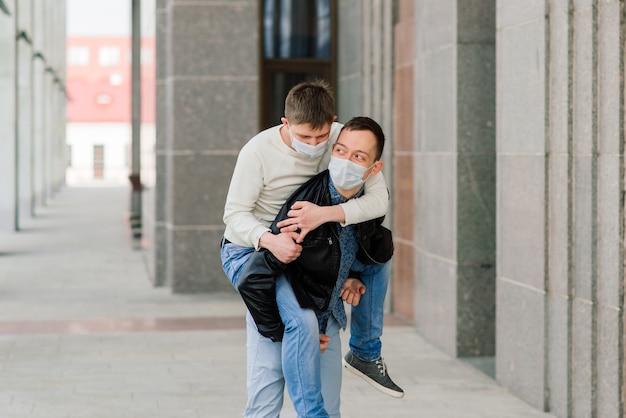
x,y
317,276
269,168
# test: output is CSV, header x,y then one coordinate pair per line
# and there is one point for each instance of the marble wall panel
x,y
476,310
610,350
206,41
521,95
196,265
559,265
476,209
435,303
476,21
521,219
582,359
436,101
214,114
476,78
510,13
583,228
436,220
436,25
559,354
610,220
196,201
520,344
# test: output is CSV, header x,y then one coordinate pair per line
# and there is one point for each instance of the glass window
x,y
296,29
147,56
298,44
78,56
109,56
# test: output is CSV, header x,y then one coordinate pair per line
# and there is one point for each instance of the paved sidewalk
x,y
83,333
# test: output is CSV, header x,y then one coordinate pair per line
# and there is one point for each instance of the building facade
x,y
98,110
99,57
506,169
505,162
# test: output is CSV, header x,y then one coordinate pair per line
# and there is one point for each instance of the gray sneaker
x,y
373,372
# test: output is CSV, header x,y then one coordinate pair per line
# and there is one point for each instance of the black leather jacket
x,y
314,274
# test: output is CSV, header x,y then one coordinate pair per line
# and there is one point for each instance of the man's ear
x,y
284,121
378,167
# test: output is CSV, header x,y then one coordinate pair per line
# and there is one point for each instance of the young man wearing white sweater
x,y
269,168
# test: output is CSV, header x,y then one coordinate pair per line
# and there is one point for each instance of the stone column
x,y
24,107
454,177
39,126
48,95
559,148
403,163
210,110
8,142
521,188
560,205
155,225
58,152
610,221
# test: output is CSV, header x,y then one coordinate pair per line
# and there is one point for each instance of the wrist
x,y
265,240
334,213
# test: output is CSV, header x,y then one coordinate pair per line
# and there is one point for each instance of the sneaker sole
x,y
376,385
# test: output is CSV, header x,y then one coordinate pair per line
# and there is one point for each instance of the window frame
x,y
268,67
78,56
109,56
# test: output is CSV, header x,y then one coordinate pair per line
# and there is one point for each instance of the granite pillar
x,y
559,209
24,107
521,204
47,116
8,142
403,165
209,87
38,111
155,225
454,175
609,209
560,205
584,171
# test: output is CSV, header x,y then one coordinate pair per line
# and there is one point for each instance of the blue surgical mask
x,y
345,174
309,151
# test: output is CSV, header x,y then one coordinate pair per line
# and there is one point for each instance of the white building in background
x,y
99,89
100,154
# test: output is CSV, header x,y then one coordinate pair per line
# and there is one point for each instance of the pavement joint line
x,y
131,325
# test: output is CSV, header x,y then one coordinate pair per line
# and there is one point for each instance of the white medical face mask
x,y
345,174
309,151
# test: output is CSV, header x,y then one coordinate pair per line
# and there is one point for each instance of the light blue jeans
x,y
313,385
366,319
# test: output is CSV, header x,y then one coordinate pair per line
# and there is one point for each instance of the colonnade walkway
x,y
83,333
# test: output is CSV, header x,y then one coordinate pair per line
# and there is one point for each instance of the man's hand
x,y
352,290
283,246
306,216
324,340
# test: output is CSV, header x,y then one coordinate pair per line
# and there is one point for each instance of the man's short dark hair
x,y
310,102
364,123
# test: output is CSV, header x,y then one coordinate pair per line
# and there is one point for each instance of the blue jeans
x,y
366,319
271,364
296,362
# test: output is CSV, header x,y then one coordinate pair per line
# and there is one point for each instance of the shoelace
x,y
382,367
